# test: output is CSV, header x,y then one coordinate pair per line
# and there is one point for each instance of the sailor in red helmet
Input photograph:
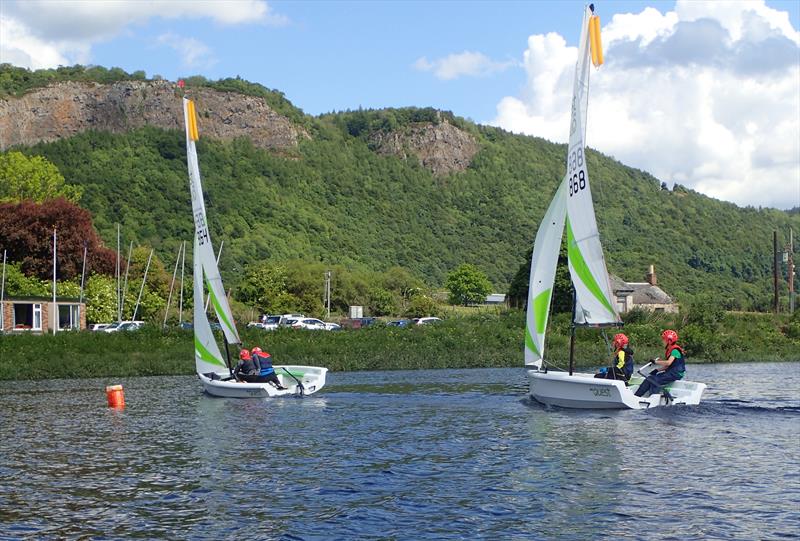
x,y
622,363
246,370
672,368
266,374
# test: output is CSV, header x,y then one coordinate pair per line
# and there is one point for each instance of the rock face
x,y
64,109
442,148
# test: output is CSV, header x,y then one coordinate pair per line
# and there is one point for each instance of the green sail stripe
x,y
218,308
529,343
206,355
582,269
540,306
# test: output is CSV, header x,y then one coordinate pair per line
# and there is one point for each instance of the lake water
x,y
446,454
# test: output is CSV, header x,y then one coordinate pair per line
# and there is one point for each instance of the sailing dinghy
x,y
593,305
212,368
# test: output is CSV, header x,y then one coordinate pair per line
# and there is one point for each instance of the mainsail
x,y
206,272
587,265
543,273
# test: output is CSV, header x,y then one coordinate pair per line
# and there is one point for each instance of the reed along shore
x,y
477,341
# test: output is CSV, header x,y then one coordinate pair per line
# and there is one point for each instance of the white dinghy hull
x,y
584,391
312,379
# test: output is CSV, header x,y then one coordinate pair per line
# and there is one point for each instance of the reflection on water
x,y
399,455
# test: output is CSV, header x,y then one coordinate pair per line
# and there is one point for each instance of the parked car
x,y
426,320
94,327
309,323
359,322
286,318
186,325
271,323
399,323
332,326
131,326
124,326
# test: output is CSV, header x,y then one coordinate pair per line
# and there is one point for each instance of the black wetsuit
x,y
246,370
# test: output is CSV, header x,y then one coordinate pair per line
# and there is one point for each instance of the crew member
x,y
672,368
621,363
246,369
266,372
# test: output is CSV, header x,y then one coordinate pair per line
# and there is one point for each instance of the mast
x,y
572,333
119,302
54,315
125,282
3,294
172,286
141,289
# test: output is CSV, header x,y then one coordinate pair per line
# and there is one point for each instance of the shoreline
x,y
470,342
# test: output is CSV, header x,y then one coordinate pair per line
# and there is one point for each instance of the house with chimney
x,y
642,295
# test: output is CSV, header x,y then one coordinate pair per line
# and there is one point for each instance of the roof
x,y
643,292
29,298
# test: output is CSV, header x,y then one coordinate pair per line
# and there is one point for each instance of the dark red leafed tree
x,y
26,232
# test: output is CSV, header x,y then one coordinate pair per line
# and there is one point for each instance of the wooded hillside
x,y
335,199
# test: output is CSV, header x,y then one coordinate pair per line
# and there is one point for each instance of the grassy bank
x,y
480,340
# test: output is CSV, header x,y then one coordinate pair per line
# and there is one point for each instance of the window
x,y
69,316
27,317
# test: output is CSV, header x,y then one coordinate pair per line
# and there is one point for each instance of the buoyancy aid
x,y
627,367
678,365
264,361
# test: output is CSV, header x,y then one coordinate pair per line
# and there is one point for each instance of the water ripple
x,y
457,454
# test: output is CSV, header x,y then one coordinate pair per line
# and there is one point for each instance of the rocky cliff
x,y
64,109
442,148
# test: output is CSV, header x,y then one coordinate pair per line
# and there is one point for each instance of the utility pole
x,y
791,271
328,293
775,270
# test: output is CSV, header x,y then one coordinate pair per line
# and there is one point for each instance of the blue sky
x,y
690,79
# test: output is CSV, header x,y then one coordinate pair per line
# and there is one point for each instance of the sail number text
x,y
201,228
577,176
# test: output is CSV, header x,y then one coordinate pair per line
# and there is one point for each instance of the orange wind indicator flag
x,y
192,121
595,43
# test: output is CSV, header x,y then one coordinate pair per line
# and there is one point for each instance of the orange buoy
x,y
116,396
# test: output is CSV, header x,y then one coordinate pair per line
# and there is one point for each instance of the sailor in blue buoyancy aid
x,y
672,368
621,364
266,372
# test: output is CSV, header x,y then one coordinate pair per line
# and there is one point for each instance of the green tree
x,y
468,285
24,178
264,286
422,305
100,296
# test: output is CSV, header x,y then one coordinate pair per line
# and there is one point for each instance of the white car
x,y
426,320
307,323
99,326
124,326
332,326
286,318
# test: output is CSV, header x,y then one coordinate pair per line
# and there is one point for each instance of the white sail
x,y
587,266
204,252
543,274
207,357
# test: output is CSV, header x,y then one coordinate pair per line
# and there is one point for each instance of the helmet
x,y
255,350
244,355
669,336
620,340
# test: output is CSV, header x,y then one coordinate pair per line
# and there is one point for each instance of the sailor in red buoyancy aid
x,y
266,373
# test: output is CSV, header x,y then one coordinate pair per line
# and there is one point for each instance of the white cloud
x,y
707,96
456,65
193,52
48,33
